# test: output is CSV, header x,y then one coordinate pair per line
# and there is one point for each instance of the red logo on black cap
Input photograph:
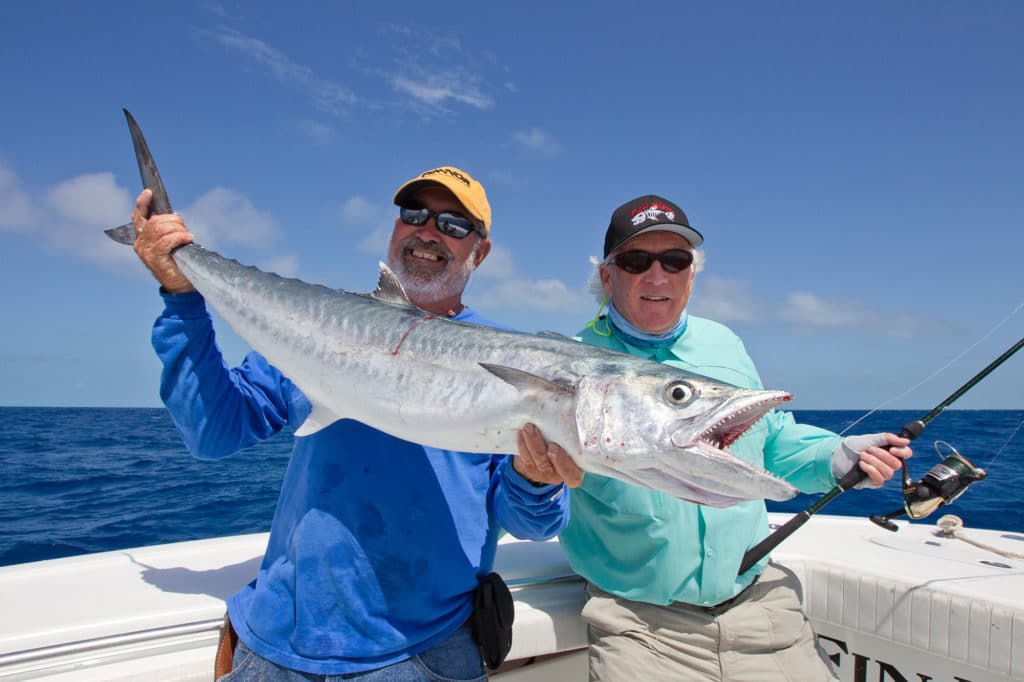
x,y
653,211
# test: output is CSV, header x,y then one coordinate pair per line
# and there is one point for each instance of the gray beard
x,y
429,288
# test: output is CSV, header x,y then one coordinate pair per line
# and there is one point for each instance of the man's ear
x,y
606,280
481,252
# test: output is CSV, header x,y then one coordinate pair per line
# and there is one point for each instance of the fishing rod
x,y
941,485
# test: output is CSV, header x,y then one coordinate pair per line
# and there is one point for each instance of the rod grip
x,y
758,551
910,431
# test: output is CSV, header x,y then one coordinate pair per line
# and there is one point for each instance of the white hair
x,y
597,289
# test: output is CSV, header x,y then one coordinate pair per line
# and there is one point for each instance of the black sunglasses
x,y
451,224
635,262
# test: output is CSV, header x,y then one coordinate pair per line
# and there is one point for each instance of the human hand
x,y
155,238
879,455
541,462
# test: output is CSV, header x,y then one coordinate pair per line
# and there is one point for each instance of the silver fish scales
x,y
380,360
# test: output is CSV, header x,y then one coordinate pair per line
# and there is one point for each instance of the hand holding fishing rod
x,y
943,483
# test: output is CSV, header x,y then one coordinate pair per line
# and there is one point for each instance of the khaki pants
x,y
762,636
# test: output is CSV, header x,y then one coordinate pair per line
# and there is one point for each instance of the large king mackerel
x,y
382,361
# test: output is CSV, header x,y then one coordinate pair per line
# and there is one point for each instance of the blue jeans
x,y
456,658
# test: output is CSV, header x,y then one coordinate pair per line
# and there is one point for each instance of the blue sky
x,y
856,169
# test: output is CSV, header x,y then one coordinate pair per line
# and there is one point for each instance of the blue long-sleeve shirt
x,y
376,543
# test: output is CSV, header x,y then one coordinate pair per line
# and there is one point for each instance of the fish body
x,y
442,383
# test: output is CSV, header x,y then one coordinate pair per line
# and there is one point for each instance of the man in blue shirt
x,y
666,601
377,543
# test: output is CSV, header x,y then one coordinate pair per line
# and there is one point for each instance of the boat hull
x,y
886,606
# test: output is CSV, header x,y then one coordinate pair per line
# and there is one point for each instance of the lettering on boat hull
x,y
859,667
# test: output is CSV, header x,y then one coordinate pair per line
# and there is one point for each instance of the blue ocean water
x,y
78,480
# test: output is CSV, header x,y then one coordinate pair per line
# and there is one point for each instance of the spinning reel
x,y
943,483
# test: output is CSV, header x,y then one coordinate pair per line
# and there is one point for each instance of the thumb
x,y
846,456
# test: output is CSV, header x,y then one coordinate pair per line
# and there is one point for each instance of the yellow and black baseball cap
x,y
468,191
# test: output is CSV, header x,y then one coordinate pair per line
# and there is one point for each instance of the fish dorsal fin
x,y
526,382
389,289
555,335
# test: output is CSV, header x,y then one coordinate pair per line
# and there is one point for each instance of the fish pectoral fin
x,y
527,382
389,289
319,418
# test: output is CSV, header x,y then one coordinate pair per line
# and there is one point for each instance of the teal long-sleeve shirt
x,y
645,545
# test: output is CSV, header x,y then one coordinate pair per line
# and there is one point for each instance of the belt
x,y
222,663
723,606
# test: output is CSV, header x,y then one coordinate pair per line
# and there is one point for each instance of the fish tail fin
x,y
160,204
122,234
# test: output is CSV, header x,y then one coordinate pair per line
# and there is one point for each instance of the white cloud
x,y
79,209
224,216
375,242
550,295
94,199
436,88
16,212
325,93
431,71
374,222
82,208
216,9
435,70
499,264
503,286
286,266
357,210
724,300
320,134
809,310
811,313
536,140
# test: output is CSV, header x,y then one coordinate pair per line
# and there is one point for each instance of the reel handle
x,y
886,521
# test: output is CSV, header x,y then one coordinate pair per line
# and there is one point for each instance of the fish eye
x,y
679,393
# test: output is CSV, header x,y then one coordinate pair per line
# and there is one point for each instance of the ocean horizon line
x,y
922,410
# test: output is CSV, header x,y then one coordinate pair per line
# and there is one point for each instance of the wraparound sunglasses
x,y
636,261
449,223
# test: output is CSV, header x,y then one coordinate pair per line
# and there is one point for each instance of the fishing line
x,y
938,371
1000,451
1019,495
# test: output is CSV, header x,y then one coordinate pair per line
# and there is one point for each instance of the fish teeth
x,y
710,435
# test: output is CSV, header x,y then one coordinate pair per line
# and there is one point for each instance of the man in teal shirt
x,y
665,598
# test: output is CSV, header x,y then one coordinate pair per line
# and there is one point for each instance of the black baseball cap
x,y
649,213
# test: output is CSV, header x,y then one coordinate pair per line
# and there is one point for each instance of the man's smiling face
x,y
653,300
433,266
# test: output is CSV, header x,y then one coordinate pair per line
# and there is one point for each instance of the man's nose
x,y
656,273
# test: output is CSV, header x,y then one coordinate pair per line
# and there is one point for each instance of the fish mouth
x,y
716,477
742,412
